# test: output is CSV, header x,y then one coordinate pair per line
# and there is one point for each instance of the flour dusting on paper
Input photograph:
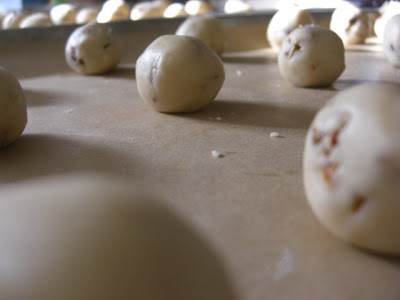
x,y
285,265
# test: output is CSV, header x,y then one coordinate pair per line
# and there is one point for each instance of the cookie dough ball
x,y
77,238
352,166
2,15
236,6
311,56
197,7
12,19
13,115
391,41
174,10
179,74
63,14
93,49
87,14
390,9
35,20
209,29
283,22
149,9
350,23
114,10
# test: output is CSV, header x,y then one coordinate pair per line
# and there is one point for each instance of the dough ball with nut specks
x,y
209,29
148,9
87,14
283,22
64,13
13,116
89,237
391,41
12,19
352,166
93,49
114,10
311,56
350,23
179,74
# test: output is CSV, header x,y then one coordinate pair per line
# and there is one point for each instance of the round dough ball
x,y
352,166
311,56
350,23
179,74
93,49
390,9
90,237
63,14
12,19
13,116
174,10
35,20
197,7
236,6
283,22
114,10
149,9
87,14
209,29
391,41
2,15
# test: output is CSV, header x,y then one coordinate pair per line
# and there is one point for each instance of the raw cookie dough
x,y
174,10
391,41
179,74
12,19
350,23
311,56
388,10
90,237
283,22
114,10
209,29
197,7
35,20
63,14
93,49
236,6
149,9
13,115
87,14
352,166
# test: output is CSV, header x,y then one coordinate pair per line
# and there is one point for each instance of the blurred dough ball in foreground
x,y
114,10
236,6
284,21
174,10
389,10
391,41
179,74
13,116
35,20
352,166
311,56
63,14
197,7
87,14
149,9
93,49
86,236
12,19
209,29
350,23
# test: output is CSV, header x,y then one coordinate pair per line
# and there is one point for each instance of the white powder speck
x,y
239,73
218,118
68,111
216,154
274,134
285,265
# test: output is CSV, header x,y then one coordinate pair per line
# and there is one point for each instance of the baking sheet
x,y
250,203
